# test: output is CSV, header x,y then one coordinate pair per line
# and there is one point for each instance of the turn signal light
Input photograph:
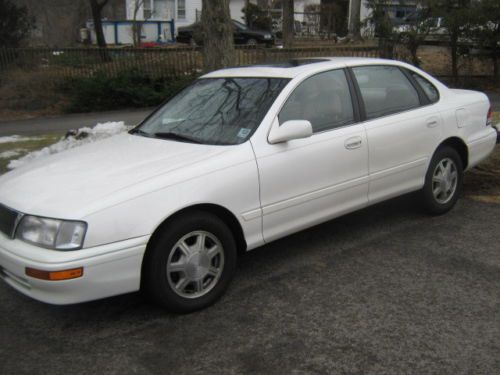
x,y
55,275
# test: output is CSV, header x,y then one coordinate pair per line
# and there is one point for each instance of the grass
x,y
25,146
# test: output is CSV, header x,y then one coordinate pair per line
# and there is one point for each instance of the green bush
x,y
128,89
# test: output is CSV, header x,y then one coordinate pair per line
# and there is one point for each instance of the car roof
x,y
295,67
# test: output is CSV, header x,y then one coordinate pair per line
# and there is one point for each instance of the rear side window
x,y
323,99
385,90
429,89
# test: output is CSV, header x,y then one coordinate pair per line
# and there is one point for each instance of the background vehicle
x,y
437,32
242,35
240,158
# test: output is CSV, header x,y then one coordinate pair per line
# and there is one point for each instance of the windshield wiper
x,y
176,136
140,132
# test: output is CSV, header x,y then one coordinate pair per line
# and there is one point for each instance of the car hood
x,y
71,182
260,33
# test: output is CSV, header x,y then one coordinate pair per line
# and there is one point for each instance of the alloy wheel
x,y
195,264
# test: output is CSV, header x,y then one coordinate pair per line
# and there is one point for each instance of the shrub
x,y
127,89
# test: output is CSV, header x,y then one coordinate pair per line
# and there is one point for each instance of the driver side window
x,y
323,99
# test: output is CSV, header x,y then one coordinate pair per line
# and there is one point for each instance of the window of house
x,y
323,99
385,90
148,12
181,9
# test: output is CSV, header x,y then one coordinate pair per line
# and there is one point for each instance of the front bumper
x,y
108,270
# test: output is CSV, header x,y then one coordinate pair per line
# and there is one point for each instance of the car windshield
x,y
239,25
218,111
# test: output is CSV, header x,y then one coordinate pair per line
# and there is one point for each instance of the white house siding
x,y
191,7
235,7
165,10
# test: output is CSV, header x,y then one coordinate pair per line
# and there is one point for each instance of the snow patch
x,y
72,139
17,138
11,153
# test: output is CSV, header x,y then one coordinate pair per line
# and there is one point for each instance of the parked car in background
x,y
242,35
436,30
240,158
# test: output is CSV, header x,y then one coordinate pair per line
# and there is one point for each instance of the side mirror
x,y
289,130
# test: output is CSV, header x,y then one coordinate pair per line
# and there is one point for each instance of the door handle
x,y
352,143
432,122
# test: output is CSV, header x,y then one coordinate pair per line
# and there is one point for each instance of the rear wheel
x,y
404,38
443,181
191,263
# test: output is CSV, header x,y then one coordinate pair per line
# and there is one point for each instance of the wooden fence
x,y
156,62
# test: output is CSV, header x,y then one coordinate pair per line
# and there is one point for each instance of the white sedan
x,y
236,160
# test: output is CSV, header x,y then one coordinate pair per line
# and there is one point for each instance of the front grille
x,y
8,220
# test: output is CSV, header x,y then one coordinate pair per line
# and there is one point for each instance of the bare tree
x,y
137,25
217,28
288,22
96,7
354,32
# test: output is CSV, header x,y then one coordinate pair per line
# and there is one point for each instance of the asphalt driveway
x,y
61,124
387,290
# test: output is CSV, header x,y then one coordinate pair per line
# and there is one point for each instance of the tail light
x,y
489,118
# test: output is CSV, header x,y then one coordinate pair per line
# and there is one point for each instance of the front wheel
x,y
443,181
190,264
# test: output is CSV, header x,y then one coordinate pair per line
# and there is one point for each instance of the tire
x,y
443,181
178,275
404,38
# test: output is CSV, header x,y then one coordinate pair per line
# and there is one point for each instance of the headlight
x,y
52,233
267,36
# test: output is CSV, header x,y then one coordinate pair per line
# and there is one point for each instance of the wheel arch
x,y
221,212
459,145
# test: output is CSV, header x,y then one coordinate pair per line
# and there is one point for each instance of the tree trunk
x,y
218,47
96,8
454,54
495,53
247,14
96,15
413,48
288,22
137,25
354,32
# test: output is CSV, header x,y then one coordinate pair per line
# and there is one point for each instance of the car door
x,y
238,35
306,181
402,126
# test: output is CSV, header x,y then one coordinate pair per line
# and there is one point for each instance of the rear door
x,y
403,128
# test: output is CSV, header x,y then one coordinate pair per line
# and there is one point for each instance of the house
x,y
186,12
397,10
183,12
